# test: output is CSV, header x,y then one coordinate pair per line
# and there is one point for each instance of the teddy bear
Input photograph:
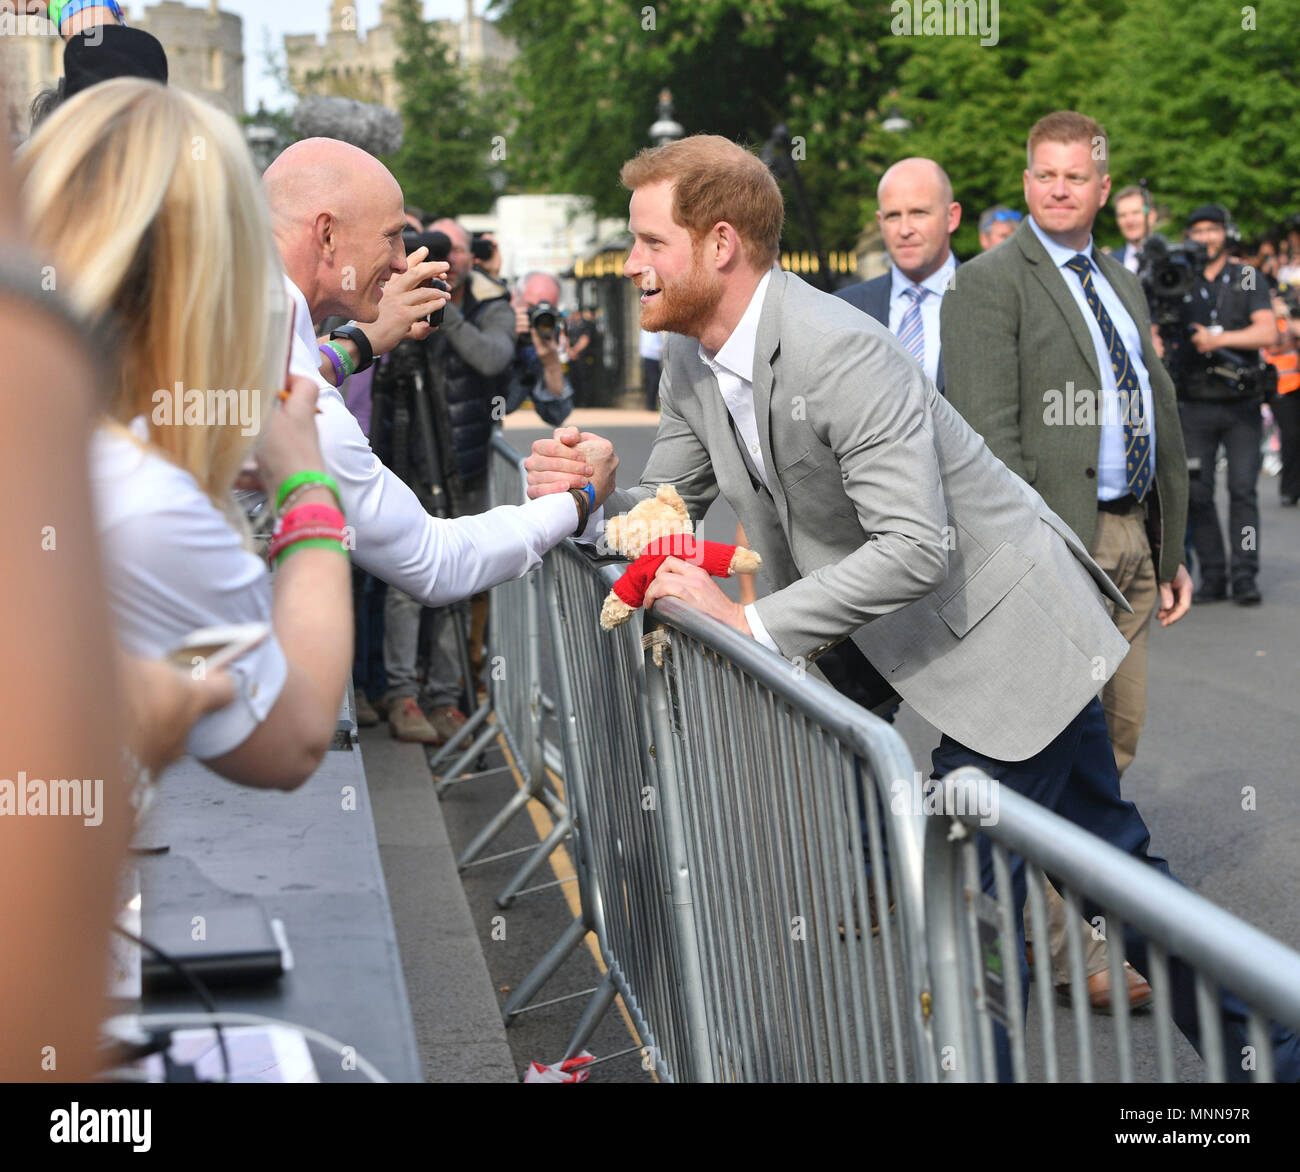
x,y
657,528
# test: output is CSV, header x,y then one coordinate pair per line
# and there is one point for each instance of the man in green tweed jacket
x,y
1049,355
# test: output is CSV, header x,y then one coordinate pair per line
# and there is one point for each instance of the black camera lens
x,y
544,318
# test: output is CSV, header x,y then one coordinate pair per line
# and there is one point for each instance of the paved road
x,y
1223,715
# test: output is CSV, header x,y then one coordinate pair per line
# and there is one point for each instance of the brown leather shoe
x,y
407,723
367,715
1139,992
446,722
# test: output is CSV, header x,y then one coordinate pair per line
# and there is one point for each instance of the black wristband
x,y
357,336
584,512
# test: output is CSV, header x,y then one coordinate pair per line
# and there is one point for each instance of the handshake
x,y
571,459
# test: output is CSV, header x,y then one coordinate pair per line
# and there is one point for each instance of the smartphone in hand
x,y
217,646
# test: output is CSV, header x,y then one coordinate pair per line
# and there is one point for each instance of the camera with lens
x,y
545,319
439,246
1169,273
482,248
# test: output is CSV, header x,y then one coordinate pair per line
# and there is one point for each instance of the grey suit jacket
x,y
872,297
890,522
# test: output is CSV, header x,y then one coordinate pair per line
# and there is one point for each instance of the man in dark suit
x,y
1031,328
917,216
1136,219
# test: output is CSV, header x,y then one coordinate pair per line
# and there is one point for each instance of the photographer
x,y
450,378
538,371
1212,338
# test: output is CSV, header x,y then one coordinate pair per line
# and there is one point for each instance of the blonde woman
x,y
148,205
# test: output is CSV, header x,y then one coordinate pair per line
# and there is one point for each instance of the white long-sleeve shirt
x,y
435,560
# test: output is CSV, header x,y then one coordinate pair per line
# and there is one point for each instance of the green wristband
x,y
349,367
56,9
312,543
310,476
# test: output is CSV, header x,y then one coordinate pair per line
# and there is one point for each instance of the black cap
x,y
110,51
1213,212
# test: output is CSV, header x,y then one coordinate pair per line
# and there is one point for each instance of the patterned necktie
x,y
911,331
1137,434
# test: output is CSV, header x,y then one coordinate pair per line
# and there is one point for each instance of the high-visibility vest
x,y
1288,367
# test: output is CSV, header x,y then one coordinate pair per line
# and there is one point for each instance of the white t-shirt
x,y
174,564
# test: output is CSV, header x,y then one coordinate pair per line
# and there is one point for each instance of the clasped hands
x,y
573,459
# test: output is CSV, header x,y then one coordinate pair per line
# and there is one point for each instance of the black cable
x,y
200,989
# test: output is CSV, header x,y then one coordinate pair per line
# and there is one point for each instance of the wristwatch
x,y
357,336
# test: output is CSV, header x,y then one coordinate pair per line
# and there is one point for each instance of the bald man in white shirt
x,y
337,215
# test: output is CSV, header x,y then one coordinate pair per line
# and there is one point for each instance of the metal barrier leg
x,y
544,970
593,1015
448,779
506,897
502,817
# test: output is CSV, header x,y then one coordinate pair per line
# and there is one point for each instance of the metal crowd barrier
x,y
725,806
974,957
732,818
514,707
795,803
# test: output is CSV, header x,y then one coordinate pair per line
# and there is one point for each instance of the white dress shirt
x,y
434,560
173,564
1112,473
733,367
1129,257
899,303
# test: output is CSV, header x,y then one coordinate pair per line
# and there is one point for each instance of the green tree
x,y
589,73
1208,113
446,155
1191,100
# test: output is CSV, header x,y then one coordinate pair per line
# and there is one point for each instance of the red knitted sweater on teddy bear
x,y
712,555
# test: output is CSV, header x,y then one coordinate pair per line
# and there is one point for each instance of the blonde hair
x,y
1068,127
146,201
715,179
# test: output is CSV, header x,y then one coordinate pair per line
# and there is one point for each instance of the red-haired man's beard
x,y
684,306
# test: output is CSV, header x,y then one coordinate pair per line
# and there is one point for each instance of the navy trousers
x,y
1075,776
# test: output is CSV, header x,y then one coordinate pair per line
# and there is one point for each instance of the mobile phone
x,y
435,318
282,314
218,646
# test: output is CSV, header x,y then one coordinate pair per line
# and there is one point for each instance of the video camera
x,y
1168,273
439,246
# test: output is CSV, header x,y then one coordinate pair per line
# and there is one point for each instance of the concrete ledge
x,y
453,1003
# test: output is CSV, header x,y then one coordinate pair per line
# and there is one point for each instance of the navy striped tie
x,y
1137,433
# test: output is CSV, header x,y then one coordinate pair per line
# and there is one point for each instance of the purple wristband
x,y
328,351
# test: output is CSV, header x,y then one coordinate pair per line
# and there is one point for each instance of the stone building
x,y
349,65
204,46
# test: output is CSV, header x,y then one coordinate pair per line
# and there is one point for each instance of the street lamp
x,y
666,130
262,138
778,156
895,123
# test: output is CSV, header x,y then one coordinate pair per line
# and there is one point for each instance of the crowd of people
x,y
288,336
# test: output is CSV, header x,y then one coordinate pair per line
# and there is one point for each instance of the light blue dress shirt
x,y
1112,474
899,303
